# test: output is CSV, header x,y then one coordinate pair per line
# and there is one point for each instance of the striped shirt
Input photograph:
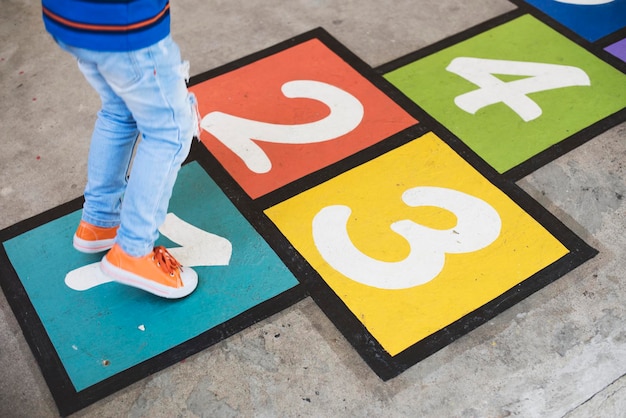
x,y
107,25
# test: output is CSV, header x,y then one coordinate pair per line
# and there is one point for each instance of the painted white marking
x,y
86,277
540,77
586,2
478,225
239,134
198,248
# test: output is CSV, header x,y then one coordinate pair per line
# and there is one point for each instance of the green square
x,y
496,132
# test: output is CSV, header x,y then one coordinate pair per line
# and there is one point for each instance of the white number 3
x,y
478,225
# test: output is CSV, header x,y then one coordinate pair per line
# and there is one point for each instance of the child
x,y
125,51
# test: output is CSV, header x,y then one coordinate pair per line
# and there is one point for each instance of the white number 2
x,y
478,225
239,134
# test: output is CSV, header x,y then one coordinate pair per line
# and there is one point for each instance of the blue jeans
x,y
142,91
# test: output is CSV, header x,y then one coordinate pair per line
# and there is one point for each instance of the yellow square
x,y
414,240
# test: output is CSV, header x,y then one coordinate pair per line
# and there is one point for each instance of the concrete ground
x,y
560,352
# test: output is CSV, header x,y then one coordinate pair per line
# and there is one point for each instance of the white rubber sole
x,y
92,247
188,276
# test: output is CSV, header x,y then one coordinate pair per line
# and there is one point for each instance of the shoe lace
x,y
166,261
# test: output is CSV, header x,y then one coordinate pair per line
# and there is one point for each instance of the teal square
x,y
110,328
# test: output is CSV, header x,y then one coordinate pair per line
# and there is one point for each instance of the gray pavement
x,y
559,353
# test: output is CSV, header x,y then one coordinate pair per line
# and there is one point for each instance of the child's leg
x,y
114,136
163,109
142,89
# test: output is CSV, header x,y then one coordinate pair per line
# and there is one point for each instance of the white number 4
x,y
539,77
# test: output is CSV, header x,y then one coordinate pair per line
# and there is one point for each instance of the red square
x,y
266,140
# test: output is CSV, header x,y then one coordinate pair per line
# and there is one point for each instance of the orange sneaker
x,y
158,272
93,239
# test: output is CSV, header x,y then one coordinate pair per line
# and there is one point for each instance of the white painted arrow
x,y
197,248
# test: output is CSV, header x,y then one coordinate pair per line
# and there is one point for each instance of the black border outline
x,y
595,47
612,38
67,399
387,366
567,31
554,151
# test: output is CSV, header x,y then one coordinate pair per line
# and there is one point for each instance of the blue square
x,y
591,21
